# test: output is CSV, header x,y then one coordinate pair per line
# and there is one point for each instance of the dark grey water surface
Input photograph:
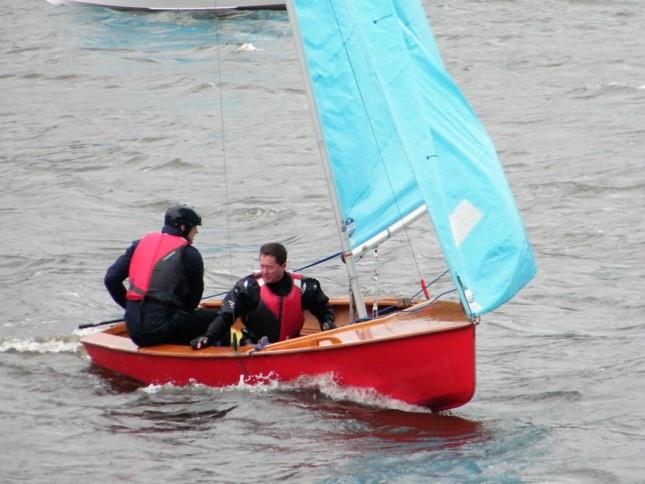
x,y
106,117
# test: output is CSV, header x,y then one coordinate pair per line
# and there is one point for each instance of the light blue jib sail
x,y
400,135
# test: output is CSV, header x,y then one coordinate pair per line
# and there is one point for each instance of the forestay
x,y
399,135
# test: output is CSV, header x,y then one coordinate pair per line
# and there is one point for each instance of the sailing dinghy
x,y
384,108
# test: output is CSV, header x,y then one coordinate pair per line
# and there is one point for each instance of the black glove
x,y
200,342
327,325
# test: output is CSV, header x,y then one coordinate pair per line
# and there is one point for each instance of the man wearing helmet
x,y
166,282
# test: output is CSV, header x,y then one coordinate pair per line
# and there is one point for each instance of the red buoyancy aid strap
x,y
287,309
150,250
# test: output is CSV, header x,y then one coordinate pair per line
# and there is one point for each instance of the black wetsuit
x,y
244,301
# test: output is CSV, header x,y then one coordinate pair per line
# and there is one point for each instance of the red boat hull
x,y
417,360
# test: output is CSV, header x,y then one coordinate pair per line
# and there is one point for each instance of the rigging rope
x,y
225,170
227,221
423,289
387,309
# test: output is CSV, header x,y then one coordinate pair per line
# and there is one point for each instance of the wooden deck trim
x,y
439,317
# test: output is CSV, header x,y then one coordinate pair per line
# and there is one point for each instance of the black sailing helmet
x,y
179,215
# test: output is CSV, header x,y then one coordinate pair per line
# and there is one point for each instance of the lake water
x,y
107,117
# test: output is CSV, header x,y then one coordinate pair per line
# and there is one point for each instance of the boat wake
x,y
325,385
58,344
328,387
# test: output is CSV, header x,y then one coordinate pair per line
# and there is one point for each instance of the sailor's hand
x,y
200,342
327,325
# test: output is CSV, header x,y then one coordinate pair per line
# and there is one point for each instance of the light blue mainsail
x,y
399,134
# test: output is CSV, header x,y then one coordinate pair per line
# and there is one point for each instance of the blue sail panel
x,y
373,187
399,133
470,202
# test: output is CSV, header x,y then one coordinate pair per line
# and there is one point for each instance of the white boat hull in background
x,y
176,5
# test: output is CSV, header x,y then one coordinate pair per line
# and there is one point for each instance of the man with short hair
x,y
270,302
166,282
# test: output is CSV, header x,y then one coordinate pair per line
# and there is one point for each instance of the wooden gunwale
x,y
441,316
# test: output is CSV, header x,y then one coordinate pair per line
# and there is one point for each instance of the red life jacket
x,y
156,269
288,309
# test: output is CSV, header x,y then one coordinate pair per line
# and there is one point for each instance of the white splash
x,y
86,331
325,384
154,389
255,384
364,396
54,345
247,47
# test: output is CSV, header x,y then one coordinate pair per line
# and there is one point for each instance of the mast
x,y
346,248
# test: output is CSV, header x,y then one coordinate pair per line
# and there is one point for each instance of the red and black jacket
x,y
273,310
285,310
156,269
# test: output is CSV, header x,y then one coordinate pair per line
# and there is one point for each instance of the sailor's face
x,y
191,234
270,270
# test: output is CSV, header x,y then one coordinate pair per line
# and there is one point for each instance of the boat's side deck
x,y
440,316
